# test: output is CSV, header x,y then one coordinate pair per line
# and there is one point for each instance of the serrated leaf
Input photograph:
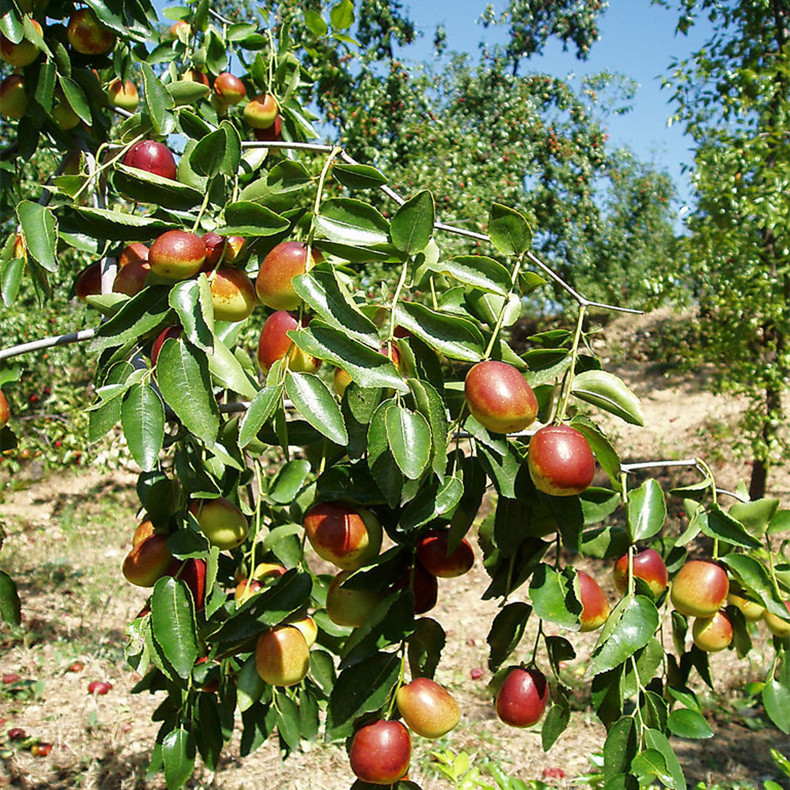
x,y
506,632
313,400
411,227
478,271
409,438
191,306
685,723
10,605
721,525
173,624
259,412
178,756
455,337
776,699
228,371
183,377
245,218
41,233
352,222
143,421
509,231
630,627
647,511
607,392
358,176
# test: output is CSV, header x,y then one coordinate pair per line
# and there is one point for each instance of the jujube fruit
x,y
380,752
648,566
499,397
560,461
177,255
347,536
427,708
274,284
522,698
282,657
699,589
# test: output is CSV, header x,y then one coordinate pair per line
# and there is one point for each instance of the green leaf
x,y
609,393
178,756
430,404
186,92
557,719
324,293
191,306
103,223
139,316
620,747
143,421
477,271
358,176
259,412
10,606
755,516
506,632
629,628
289,481
433,502
218,152
75,97
552,596
183,378
776,699
455,337
173,623
41,233
412,225
649,763
425,647
409,438
352,222
753,577
245,218
341,15
366,366
157,101
228,371
685,723
721,525
658,741
315,24
145,187
647,511
313,400
509,231
361,688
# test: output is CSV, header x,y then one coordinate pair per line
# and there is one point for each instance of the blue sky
x,y
637,40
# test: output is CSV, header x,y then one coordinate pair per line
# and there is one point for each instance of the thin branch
x,y
47,342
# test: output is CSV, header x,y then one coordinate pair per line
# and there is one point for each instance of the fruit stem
x,y
401,675
631,580
566,394
333,154
94,175
532,661
395,299
199,217
501,317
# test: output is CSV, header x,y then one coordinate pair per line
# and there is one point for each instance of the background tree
x,y
732,96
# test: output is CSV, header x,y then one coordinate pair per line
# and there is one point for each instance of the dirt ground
x,y
68,535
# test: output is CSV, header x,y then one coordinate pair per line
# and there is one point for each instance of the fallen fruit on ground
x,y
699,589
99,688
561,462
380,752
499,397
282,657
522,697
427,708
